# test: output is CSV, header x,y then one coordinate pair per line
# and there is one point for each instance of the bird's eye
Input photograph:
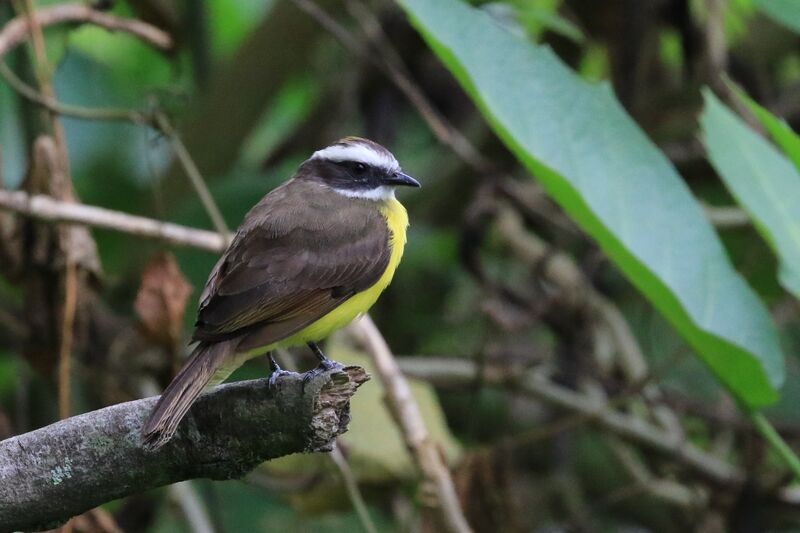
x,y
360,168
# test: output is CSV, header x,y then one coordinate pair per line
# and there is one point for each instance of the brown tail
x,y
179,396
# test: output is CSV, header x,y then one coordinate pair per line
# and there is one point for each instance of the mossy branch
x,y
71,466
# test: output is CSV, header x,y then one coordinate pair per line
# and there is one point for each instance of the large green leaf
x,y
778,129
784,12
598,165
763,181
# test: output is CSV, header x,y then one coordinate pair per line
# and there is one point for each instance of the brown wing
x,y
302,251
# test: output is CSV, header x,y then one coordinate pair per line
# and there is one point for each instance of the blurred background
x,y
496,279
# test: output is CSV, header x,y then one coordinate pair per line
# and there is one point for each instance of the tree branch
x,y
406,413
53,473
48,209
73,111
388,61
450,372
17,30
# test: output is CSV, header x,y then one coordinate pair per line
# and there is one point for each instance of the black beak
x,y
398,178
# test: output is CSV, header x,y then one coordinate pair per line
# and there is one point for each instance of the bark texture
x,y
66,468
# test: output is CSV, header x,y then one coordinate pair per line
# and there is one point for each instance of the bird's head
x,y
358,168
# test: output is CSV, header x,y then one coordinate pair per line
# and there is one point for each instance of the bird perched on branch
x,y
311,256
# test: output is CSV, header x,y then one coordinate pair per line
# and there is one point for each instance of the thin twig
x,y
459,372
17,30
65,344
562,271
59,180
727,217
48,209
43,74
353,491
406,413
776,441
389,63
665,489
339,460
84,113
579,418
716,52
395,68
193,173
196,515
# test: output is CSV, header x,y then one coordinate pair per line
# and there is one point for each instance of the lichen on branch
x,y
71,466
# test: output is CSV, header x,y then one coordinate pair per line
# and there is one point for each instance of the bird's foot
x,y
273,378
277,372
324,365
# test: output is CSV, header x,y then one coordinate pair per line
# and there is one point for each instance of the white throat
x,y
382,193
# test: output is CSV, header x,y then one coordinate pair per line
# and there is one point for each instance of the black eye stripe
x,y
343,174
354,166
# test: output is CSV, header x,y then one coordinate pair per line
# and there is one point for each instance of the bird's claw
x,y
273,378
277,372
324,366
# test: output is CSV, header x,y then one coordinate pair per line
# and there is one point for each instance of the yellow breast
x,y
397,221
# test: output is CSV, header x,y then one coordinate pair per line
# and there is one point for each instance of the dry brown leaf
x,y
161,300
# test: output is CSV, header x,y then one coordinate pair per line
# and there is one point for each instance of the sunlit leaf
x,y
778,129
542,15
763,181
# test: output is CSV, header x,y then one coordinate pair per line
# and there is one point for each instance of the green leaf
x,y
539,18
784,12
777,128
126,58
231,22
533,17
761,179
598,165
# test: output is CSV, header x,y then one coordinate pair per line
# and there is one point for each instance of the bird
x,y
309,257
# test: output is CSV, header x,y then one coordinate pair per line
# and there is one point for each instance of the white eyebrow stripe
x,y
357,152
